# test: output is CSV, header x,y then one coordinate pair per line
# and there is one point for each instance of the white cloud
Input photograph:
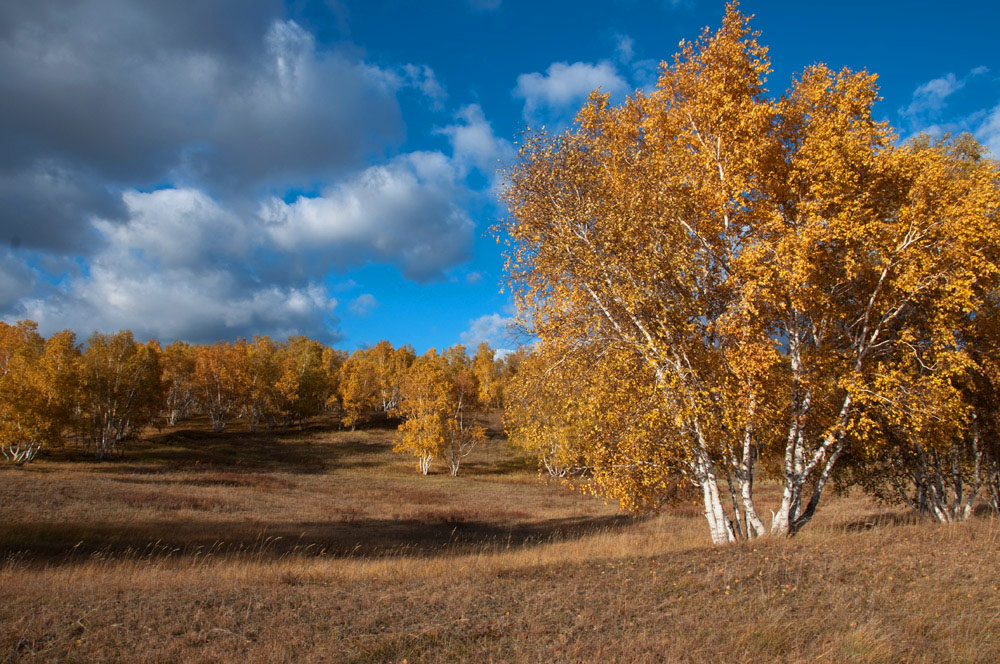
x,y
988,132
196,305
186,265
494,329
363,304
929,98
177,228
563,88
423,79
181,266
407,213
474,145
261,105
225,117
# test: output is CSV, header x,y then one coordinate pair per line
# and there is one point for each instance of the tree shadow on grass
x,y
48,543
315,449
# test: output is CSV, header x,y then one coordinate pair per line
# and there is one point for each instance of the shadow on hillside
x,y
46,543
315,448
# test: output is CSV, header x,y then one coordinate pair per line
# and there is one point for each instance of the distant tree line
x,y
105,392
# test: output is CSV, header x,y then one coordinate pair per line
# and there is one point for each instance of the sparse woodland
x,y
725,287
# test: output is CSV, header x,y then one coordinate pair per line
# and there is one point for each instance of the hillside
x,y
322,545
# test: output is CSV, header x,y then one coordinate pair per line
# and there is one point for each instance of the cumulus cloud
x,y
199,306
142,147
183,265
179,228
406,212
474,145
180,266
494,329
563,87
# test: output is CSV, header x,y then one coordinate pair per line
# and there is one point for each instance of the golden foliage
x,y
747,268
122,390
39,380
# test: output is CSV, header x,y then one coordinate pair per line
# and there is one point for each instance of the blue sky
x,y
206,170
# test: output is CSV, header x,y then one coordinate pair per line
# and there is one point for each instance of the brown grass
x,y
323,546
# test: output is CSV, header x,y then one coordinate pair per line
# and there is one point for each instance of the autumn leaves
x,y
741,286
108,391
439,396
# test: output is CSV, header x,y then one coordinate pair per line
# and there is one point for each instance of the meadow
x,y
320,545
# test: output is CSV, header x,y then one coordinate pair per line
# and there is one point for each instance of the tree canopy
x,y
761,274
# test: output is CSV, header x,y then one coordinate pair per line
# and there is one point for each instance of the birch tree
x,y
178,361
303,384
38,389
744,262
389,366
542,415
463,433
121,391
358,388
216,382
487,372
257,374
423,404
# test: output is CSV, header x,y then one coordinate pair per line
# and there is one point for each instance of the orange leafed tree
x,y
39,383
257,374
439,400
424,403
216,382
304,385
178,361
542,412
463,402
358,386
122,390
747,264
487,372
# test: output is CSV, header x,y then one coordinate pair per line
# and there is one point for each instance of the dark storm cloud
x,y
42,205
105,95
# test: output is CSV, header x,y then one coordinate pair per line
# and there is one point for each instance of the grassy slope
x,y
323,546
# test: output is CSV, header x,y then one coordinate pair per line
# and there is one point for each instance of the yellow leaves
x,y
121,389
438,397
704,265
39,382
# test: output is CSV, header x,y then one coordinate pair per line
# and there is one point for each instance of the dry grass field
x,y
322,546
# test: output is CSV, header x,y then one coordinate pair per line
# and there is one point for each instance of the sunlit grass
x,y
340,552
